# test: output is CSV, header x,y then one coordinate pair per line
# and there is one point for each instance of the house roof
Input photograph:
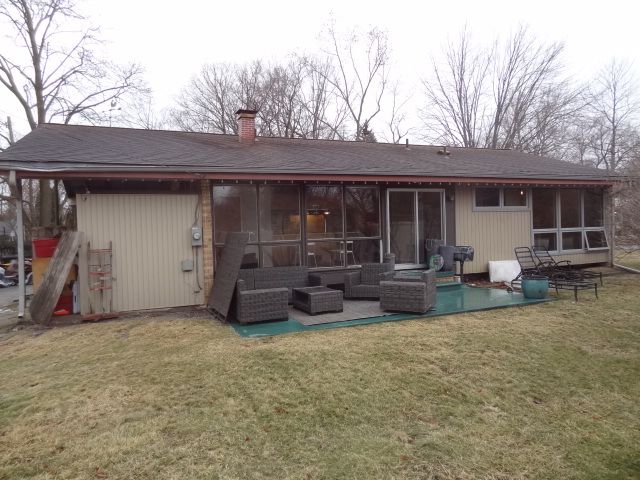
x,y
64,149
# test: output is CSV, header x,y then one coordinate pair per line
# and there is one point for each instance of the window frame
x,y
302,242
342,241
443,220
559,230
502,207
586,239
255,237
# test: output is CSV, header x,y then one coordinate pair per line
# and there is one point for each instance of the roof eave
x,y
154,174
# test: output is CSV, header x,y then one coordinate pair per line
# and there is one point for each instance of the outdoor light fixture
x,y
316,210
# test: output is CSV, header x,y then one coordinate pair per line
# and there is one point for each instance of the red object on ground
x,y
65,302
61,312
44,247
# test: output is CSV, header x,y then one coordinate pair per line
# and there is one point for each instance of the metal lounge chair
x,y
545,258
559,278
528,265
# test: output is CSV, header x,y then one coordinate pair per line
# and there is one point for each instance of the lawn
x,y
628,257
540,392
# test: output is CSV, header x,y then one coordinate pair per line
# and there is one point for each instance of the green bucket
x,y
535,286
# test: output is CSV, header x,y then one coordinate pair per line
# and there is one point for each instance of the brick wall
x,y
207,235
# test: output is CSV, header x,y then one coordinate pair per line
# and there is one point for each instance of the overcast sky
x,y
173,39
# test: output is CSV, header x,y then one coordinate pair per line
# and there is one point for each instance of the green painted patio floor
x,y
450,300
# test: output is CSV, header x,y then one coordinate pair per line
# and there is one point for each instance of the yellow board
x,y
39,266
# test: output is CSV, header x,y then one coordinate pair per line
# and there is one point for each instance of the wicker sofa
x,y
365,283
415,295
264,293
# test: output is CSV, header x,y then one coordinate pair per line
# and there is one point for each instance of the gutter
x,y
188,174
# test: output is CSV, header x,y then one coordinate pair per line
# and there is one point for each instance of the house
x,y
166,200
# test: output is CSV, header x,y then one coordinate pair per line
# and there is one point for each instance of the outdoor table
x,y
315,300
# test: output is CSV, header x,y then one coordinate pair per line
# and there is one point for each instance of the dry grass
x,y
628,258
549,391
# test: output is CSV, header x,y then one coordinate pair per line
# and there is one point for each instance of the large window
x,y
271,215
342,225
568,219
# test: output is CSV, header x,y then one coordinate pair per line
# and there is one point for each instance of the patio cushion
x,y
276,277
365,291
370,273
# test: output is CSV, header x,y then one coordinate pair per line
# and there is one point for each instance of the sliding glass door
x,y
413,218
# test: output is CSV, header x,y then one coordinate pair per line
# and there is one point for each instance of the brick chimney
x,y
246,125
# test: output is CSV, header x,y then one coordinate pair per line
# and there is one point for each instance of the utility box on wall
x,y
196,236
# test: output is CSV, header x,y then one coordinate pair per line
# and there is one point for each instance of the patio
x,y
451,299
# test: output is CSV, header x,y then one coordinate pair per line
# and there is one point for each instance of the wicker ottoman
x,y
315,300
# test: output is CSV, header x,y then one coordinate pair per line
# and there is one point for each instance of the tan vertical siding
x,y
151,235
494,234
585,257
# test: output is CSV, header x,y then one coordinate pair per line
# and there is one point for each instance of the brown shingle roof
x,y
64,148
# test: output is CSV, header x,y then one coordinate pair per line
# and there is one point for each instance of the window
x,y
234,210
544,208
568,219
342,225
487,197
279,212
593,209
570,210
494,198
515,197
596,239
271,215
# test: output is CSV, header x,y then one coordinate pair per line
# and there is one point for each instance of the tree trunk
x,y
47,199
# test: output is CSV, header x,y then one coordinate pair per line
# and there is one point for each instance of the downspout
x,y
17,188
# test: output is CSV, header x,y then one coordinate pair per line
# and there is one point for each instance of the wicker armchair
x,y
264,293
259,305
365,283
415,295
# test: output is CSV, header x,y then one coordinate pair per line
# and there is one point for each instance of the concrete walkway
x,y
9,305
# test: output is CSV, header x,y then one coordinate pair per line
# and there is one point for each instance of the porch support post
x,y
207,236
17,188
611,202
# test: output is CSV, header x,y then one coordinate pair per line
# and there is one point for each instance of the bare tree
x,y
508,95
5,137
628,209
454,113
54,77
359,74
293,100
282,111
397,118
141,112
54,74
209,102
613,109
324,118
